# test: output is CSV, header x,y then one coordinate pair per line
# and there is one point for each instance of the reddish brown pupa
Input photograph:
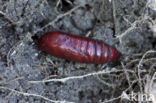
x,y
77,48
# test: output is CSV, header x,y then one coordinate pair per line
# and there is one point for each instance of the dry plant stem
x,y
116,24
33,95
16,79
149,60
88,33
100,11
150,51
51,62
133,26
60,2
105,83
126,73
13,51
139,68
15,47
5,16
137,55
57,4
137,60
63,80
131,62
111,100
69,1
52,23
23,10
130,86
150,88
50,76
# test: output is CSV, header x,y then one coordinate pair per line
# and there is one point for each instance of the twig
x,y
150,88
59,17
105,83
139,69
126,73
133,26
116,24
150,51
63,80
6,16
14,50
57,4
113,99
34,95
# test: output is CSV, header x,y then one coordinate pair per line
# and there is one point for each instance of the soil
x,y
29,75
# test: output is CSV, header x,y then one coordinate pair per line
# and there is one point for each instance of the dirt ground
x,y
29,75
